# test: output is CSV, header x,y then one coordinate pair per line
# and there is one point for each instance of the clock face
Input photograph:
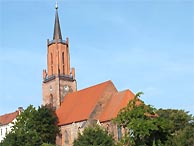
x,y
66,88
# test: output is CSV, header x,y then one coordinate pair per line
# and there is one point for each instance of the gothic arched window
x,y
63,60
51,99
51,59
52,70
51,63
66,137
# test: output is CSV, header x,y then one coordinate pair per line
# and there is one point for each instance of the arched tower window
x,y
63,57
52,70
51,59
51,100
51,63
63,60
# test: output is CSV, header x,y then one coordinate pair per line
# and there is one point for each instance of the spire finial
x,y
57,31
56,5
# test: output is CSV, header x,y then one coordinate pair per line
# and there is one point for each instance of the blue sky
x,y
141,45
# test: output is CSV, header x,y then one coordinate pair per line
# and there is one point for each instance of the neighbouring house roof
x,y
116,103
78,106
8,118
100,102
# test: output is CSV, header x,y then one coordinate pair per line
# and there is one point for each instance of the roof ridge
x,y
77,92
125,90
106,82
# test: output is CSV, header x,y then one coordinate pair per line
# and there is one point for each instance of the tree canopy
x,y
142,125
182,127
94,136
33,128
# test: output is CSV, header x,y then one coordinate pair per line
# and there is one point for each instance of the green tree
x,y
46,144
183,137
182,129
45,123
33,128
94,136
142,125
178,118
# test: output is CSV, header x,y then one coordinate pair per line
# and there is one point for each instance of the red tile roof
x,y
78,106
8,118
115,104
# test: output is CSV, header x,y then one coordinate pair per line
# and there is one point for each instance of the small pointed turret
x,y
57,31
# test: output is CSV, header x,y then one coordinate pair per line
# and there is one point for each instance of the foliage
x,y
46,144
178,118
94,136
182,130
142,125
15,139
33,128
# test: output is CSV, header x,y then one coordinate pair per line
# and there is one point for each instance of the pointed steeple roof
x,y
57,31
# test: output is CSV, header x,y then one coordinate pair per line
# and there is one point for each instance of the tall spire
x,y
57,31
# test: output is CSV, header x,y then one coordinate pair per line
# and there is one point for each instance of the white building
x,y
6,122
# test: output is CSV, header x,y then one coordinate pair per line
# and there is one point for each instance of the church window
x,y
51,99
52,70
6,131
119,132
63,62
51,63
51,58
66,137
63,69
63,58
1,132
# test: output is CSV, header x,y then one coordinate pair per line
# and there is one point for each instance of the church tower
x,y
59,79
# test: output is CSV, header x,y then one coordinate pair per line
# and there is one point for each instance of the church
x,y
77,109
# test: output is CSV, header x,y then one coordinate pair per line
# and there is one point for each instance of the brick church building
x,y
76,109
